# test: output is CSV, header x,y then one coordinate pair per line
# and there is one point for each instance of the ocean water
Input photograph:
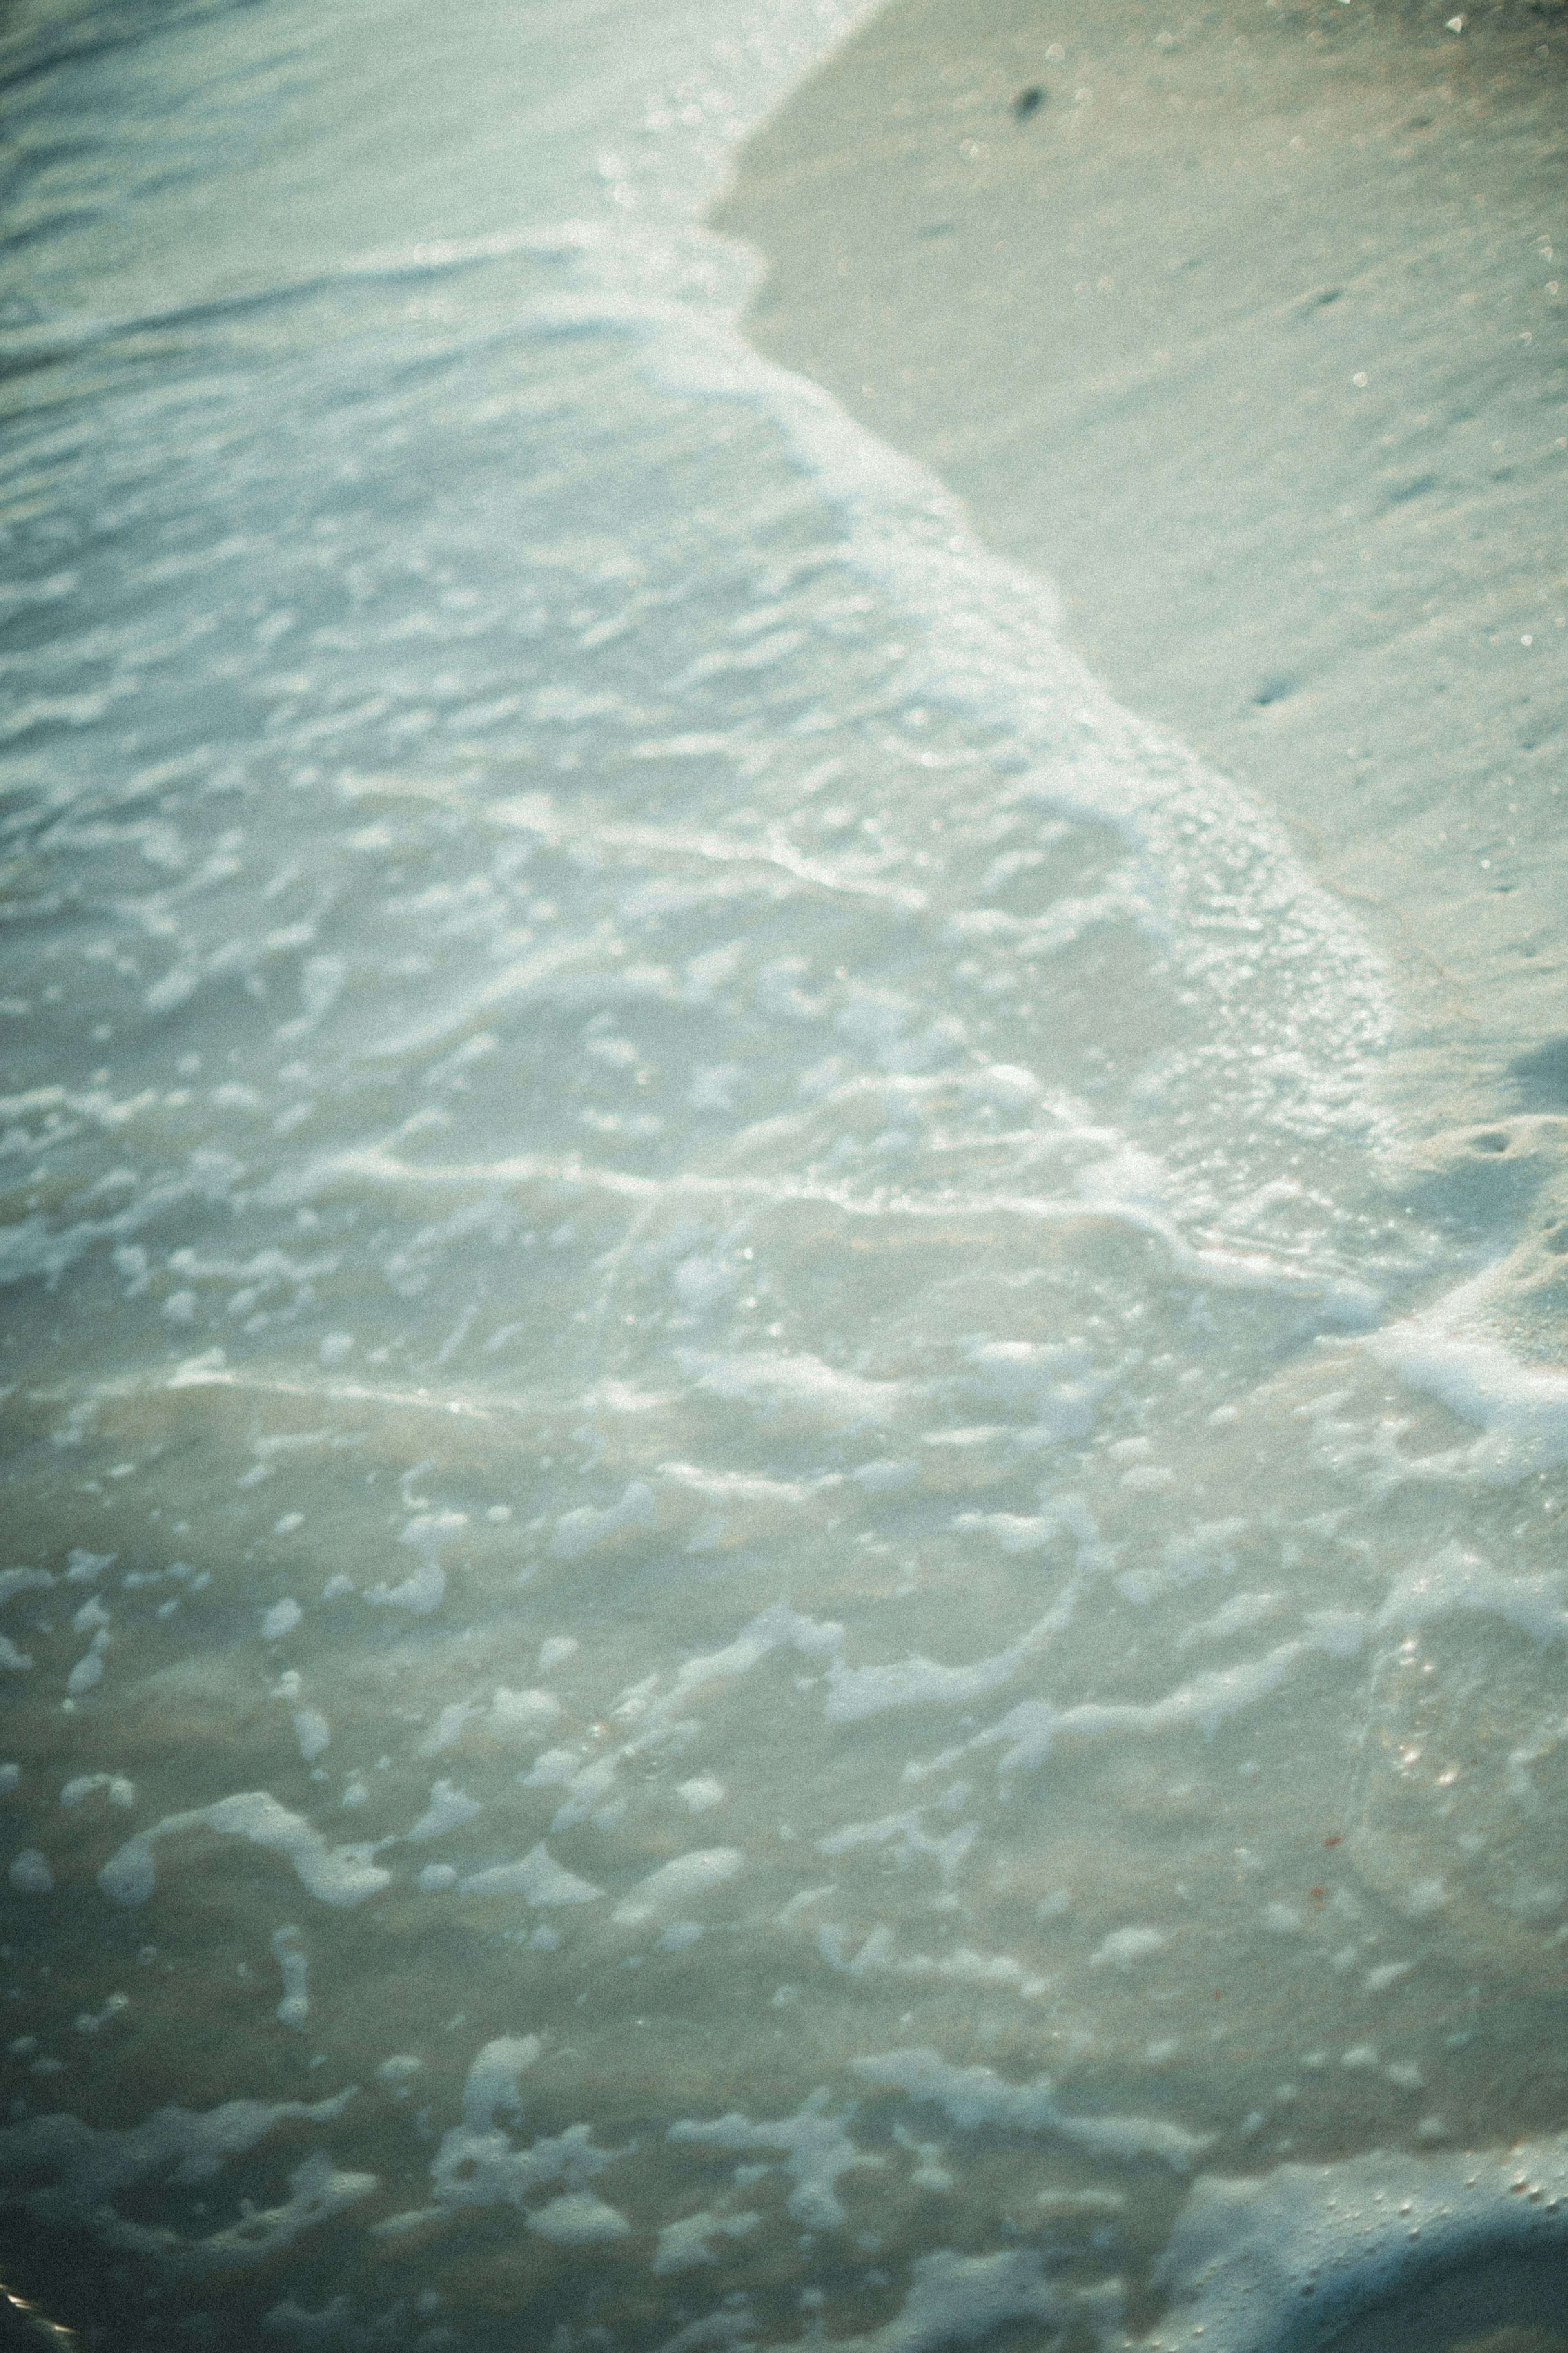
x,y
776,1572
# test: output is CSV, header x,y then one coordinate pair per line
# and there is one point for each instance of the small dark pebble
x,y
1028,101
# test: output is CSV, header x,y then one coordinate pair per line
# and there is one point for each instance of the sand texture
x,y
1245,325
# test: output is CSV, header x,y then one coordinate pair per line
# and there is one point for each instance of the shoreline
x,y
1247,331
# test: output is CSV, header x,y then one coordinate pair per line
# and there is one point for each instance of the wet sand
x,y
1245,325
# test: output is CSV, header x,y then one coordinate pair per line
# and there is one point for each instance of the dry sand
x,y
1246,324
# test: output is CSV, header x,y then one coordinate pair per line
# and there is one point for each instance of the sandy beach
x,y
1245,327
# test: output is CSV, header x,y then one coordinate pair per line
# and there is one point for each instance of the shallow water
x,y
770,1578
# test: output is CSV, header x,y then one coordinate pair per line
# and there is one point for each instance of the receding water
x,y
769,1578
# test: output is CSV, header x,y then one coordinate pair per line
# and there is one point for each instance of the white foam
x,y
857,1692
1387,1974
962,1964
1125,1947
317,2191
23,1580
491,2086
584,1529
678,1881
424,1592
94,2021
1287,2259
538,1878
1013,1531
907,1833
688,2242
975,2098
1031,1730
334,2327
1056,1384
90,2165
590,1791
800,1386
578,2219
281,1620
1239,1615
342,1875
955,2299
1521,1409
448,1728
312,1732
777,1628
115,1786
88,1671
521,1716
285,1948
1455,1582
476,2164
448,1810
421,1594
816,2149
